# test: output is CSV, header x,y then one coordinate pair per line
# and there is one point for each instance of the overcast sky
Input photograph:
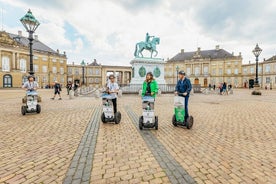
x,y
107,30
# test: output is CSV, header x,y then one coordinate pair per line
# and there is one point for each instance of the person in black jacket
x,y
183,88
57,90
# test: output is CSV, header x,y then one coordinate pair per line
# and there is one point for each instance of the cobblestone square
x,y
233,140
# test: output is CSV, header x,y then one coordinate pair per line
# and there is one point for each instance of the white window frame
x,y
61,70
23,65
44,69
54,69
6,64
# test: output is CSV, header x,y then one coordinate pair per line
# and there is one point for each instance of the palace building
x,y
206,67
49,65
266,73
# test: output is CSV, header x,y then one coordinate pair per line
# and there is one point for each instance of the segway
x,y
179,113
148,120
31,103
108,112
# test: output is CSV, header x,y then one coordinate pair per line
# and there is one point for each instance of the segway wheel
x,y
103,118
23,110
141,123
117,117
156,122
190,122
38,108
174,120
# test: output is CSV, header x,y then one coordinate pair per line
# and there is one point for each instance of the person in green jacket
x,y
150,86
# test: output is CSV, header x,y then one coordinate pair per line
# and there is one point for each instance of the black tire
x,y
174,120
23,110
117,117
103,118
156,122
38,108
190,122
141,123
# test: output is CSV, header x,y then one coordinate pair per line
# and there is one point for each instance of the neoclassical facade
x,y
49,65
266,73
206,67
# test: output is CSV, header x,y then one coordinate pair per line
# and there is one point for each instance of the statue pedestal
x,y
141,66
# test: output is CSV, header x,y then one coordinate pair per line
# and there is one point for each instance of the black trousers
x,y
114,101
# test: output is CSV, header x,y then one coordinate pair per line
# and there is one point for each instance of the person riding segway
x,y
182,90
149,91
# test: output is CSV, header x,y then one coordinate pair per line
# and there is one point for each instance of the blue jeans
x,y
186,101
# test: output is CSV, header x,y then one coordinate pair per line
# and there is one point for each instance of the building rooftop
x,y
202,54
37,45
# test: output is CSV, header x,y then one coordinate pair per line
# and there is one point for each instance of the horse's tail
x,y
135,52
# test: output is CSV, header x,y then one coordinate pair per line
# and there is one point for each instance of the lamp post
x,y
257,51
83,65
177,69
30,24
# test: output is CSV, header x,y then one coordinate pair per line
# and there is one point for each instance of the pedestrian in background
x,y
57,90
69,87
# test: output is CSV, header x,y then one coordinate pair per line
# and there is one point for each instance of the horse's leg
x,y
156,53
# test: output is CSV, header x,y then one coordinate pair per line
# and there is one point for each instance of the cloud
x,y
108,30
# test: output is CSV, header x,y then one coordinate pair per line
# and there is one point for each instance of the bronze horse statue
x,y
150,46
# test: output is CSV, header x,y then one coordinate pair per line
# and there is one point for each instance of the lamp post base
x,y
257,90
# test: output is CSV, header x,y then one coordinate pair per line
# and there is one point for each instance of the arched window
x,y
5,64
23,65
7,81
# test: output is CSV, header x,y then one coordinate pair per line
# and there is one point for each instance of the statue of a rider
x,y
148,41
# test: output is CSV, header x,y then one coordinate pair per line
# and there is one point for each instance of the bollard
x,y
71,94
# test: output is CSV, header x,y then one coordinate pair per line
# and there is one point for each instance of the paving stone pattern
x,y
173,169
81,165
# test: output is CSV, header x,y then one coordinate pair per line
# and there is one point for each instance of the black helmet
x,y
181,72
31,76
111,76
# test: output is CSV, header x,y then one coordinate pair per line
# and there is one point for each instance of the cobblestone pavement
x,y
233,140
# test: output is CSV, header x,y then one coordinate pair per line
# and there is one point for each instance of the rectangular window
x,y
206,70
61,61
188,71
220,71
267,80
197,71
54,60
22,63
44,69
236,71
96,80
36,68
229,71
76,71
267,69
90,80
245,70
61,70
37,78
70,71
214,72
97,72
44,59
5,64
252,70
54,69
90,71
236,62
35,58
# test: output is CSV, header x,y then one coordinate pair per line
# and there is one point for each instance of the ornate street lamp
x,y
30,24
83,65
177,69
257,51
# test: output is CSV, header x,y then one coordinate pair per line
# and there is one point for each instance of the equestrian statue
x,y
149,44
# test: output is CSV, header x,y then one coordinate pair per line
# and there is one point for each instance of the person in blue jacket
x,y
183,88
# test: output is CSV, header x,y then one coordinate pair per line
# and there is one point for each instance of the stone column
x,y
13,61
123,77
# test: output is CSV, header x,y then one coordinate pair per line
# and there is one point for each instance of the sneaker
x,y
60,99
52,98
